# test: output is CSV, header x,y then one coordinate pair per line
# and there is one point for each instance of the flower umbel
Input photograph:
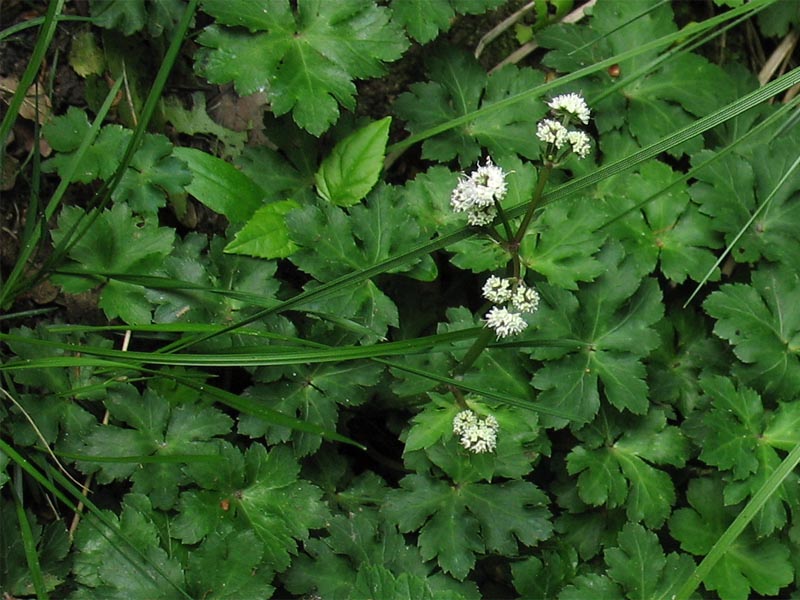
x,y
525,299
497,290
477,193
514,294
572,105
560,140
552,132
579,142
476,435
504,322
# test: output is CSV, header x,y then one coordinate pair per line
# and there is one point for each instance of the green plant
x,y
549,353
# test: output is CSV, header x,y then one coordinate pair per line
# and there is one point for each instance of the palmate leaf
x,y
157,429
668,228
687,350
729,429
736,434
65,133
758,563
360,540
312,393
304,58
259,491
608,324
641,568
543,575
424,20
427,199
375,581
334,242
130,16
762,322
635,568
152,174
458,86
455,523
591,586
213,269
243,576
279,507
652,104
109,568
117,242
731,189
619,468
562,243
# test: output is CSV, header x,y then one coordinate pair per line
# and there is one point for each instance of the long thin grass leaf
x,y
142,459
43,41
29,545
242,356
18,27
490,394
242,404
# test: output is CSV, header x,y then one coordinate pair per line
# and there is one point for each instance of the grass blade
x,y
29,544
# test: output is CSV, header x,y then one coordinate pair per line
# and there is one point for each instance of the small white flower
x,y
491,180
463,420
572,104
480,189
579,142
497,290
463,195
481,216
504,322
552,132
476,435
525,299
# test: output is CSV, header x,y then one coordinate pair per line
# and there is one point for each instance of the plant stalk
x,y
544,175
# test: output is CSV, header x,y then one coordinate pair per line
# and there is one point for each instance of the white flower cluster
x,y
504,322
476,435
570,108
572,105
517,298
476,195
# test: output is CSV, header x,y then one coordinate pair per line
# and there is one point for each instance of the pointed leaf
x,y
352,168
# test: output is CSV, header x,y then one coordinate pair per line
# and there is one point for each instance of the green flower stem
x,y
503,219
474,352
544,175
482,341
